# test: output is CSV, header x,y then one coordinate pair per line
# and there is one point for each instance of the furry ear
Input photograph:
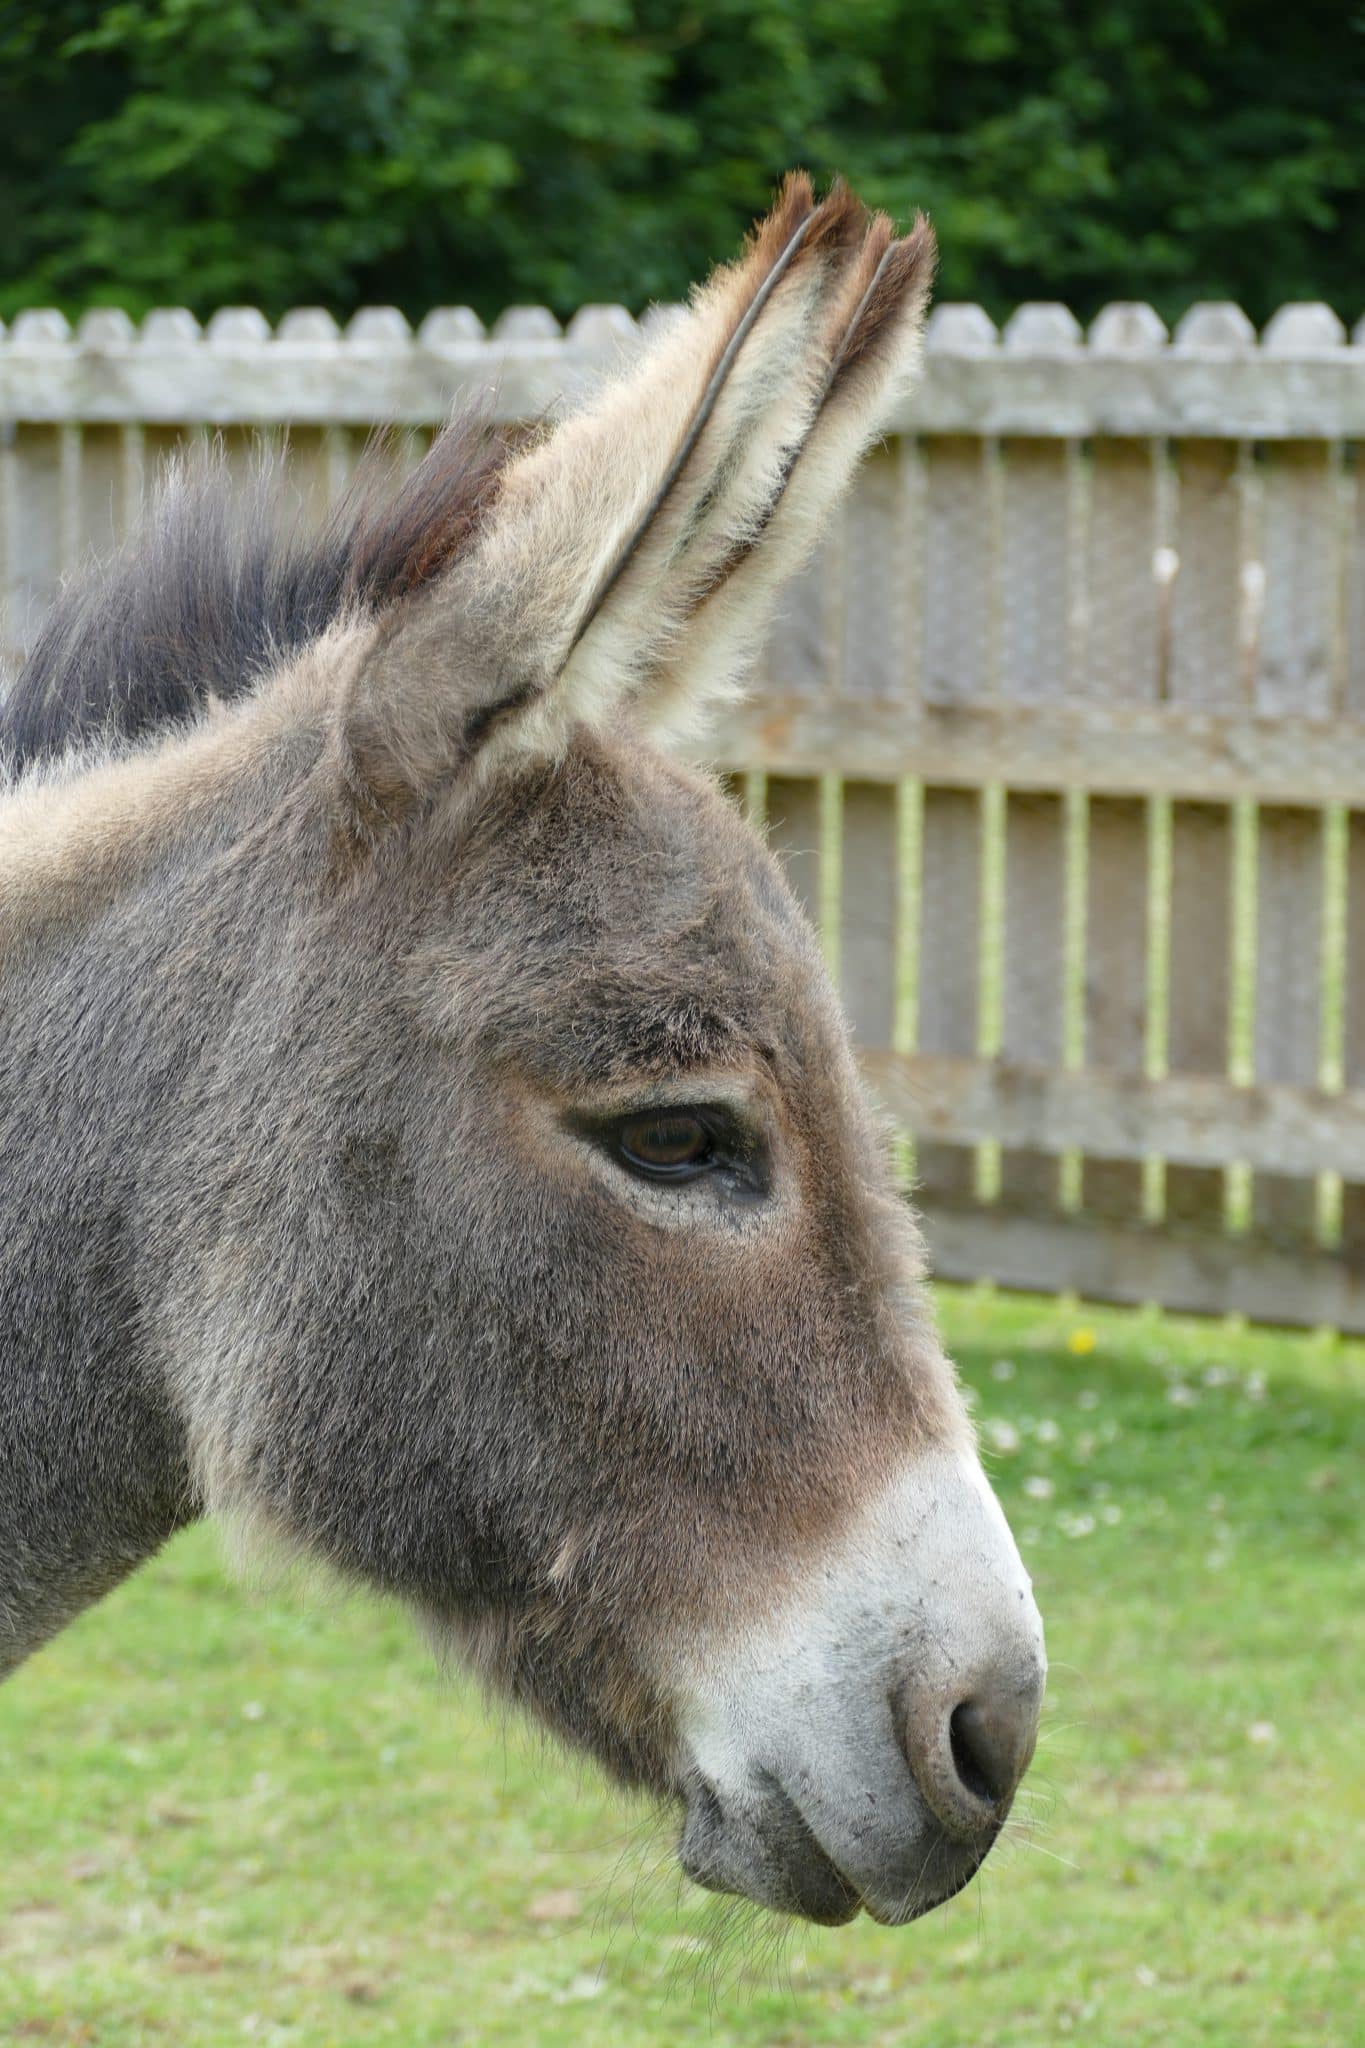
x,y
872,353
602,558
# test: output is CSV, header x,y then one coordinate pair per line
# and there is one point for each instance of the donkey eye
x,y
684,1142
666,1145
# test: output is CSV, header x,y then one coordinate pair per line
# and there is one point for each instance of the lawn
x,y
241,1815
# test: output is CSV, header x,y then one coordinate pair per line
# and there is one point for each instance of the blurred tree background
x,y
418,152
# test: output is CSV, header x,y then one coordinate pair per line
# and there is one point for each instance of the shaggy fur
x,y
220,590
321,986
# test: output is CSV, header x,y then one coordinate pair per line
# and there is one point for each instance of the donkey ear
x,y
871,354
604,537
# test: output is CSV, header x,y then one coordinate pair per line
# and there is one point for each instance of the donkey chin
x,y
860,1749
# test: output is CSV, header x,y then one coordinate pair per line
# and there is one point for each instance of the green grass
x,y
233,1816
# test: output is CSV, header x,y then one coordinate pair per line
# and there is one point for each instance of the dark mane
x,y
221,584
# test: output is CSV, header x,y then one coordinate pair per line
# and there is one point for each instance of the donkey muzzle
x,y
861,1748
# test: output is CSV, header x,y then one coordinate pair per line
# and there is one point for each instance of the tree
x,y
418,152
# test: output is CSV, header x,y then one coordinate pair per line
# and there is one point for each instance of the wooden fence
x,y
1066,750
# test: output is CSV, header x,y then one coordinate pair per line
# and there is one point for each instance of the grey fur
x,y
261,1198
315,1014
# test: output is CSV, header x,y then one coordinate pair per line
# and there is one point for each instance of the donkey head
x,y
602,1339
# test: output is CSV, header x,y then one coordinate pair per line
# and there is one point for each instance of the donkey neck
x,y
92,1469
111,878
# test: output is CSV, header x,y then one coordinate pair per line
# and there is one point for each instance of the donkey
x,y
430,1136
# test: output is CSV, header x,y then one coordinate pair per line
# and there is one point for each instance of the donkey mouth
x,y
768,1852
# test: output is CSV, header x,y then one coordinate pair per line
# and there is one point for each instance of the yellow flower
x,y
1081,1341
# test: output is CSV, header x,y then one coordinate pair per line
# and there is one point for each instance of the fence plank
x,y
1197,1012
1106,1261
1213,617
873,638
949,937
1353,1033
1206,661
1353,553
35,539
12,585
1115,977
1300,535
132,478
99,489
379,370
798,655
1034,968
1205,1122
960,564
1037,646
956,666
1288,984
1120,617
306,455
1124,750
1036,571
801,654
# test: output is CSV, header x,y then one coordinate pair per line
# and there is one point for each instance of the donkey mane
x,y
225,583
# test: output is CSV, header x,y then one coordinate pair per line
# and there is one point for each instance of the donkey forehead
x,y
615,914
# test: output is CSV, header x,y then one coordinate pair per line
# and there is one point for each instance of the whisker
x,y
1026,1842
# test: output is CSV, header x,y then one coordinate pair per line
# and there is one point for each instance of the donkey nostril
x,y
985,1753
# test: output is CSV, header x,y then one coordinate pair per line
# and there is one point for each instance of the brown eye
x,y
680,1142
669,1144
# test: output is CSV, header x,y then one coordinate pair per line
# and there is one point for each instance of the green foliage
x,y
234,1819
491,151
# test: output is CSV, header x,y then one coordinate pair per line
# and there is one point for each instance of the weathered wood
x,y
308,455
1115,978
1037,571
1120,614
875,571
96,515
1353,1028
950,907
11,566
872,632
132,477
70,510
1034,960
867,923
1199,993
238,371
1199,1121
793,825
1212,1276
35,529
959,610
1121,750
1352,555
1038,645
1206,668
1301,543
1126,618
801,654
1288,991
1215,615
801,645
